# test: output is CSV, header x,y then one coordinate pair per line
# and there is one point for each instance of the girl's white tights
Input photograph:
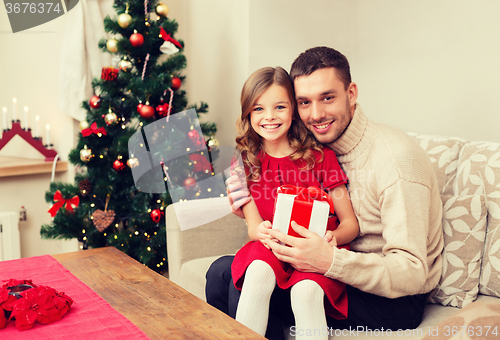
x,y
306,297
253,307
309,311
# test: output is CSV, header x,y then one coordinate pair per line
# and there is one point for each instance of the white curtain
x,y
81,59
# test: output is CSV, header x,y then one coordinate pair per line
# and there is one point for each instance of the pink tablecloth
x,y
90,317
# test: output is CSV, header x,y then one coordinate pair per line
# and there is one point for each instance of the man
x,y
395,261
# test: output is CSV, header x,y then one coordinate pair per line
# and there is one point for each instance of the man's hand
x,y
309,254
238,195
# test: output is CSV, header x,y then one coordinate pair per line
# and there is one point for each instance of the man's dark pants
x,y
365,311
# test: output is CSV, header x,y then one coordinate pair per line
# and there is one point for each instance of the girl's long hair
x,y
249,143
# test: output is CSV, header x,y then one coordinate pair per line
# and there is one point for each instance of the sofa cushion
x,y
481,319
464,227
479,172
443,153
192,275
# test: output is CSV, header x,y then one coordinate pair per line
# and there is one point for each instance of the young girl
x,y
277,149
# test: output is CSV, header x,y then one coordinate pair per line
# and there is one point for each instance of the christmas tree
x,y
137,120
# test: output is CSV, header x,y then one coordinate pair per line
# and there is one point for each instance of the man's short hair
x,y
321,57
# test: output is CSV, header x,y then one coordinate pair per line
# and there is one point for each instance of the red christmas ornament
x,y
139,107
136,39
189,183
156,215
176,83
118,165
95,102
194,136
162,110
147,111
200,162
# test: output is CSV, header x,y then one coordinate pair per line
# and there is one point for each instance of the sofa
x,y
465,304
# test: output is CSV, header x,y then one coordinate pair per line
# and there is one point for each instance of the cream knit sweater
x,y
395,196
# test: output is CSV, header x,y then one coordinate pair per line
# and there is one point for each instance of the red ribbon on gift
x,y
308,194
60,201
166,36
93,130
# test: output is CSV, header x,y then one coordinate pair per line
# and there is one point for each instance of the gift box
x,y
309,207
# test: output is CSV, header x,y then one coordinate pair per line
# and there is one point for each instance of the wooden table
x,y
156,305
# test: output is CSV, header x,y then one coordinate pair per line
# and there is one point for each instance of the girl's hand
x,y
330,238
263,230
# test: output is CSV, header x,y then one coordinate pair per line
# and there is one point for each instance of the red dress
x,y
276,172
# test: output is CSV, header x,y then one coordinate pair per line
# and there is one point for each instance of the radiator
x,y
10,244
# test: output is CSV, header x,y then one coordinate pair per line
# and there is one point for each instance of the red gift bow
x,y
166,36
307,194
93,130
59,201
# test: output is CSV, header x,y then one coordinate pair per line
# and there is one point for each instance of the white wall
x,y
421,65
29,70
430,66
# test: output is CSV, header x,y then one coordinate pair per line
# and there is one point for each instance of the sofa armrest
x,y
221,236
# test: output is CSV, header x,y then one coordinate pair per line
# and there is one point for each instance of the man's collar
x,y
352,134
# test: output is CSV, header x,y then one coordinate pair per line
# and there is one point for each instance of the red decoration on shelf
x,y
60,201
176,83
109,73
166,36
95,102
156,215
27,303
7,135
136,39
93,130
118,165
147,111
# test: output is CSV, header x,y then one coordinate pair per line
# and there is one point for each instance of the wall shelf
x,y
15,166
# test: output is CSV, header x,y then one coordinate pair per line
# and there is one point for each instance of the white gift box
x,y
312,215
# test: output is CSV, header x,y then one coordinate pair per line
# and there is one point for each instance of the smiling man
x,y
396,259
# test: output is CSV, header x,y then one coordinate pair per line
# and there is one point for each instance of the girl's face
x,y
271,116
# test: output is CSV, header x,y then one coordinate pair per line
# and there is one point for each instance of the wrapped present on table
x,y
309,207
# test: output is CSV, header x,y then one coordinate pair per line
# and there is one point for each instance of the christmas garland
x,y
26,302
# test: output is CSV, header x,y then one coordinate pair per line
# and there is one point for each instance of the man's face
x,y
325,106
